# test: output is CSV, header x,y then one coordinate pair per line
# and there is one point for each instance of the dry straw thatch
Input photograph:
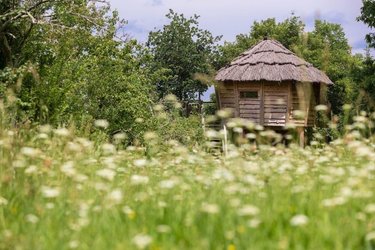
x,y
269,60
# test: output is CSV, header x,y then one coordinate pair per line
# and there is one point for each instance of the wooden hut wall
x,y
305,97
250,107
227,96
275,103
262,103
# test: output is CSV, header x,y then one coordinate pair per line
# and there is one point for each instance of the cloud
x,y
230,18
157,2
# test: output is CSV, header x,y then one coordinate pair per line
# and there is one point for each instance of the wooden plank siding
x,y
305,97
276,99
250,108
227,96
275,103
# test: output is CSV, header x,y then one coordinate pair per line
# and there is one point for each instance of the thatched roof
x,y
269,60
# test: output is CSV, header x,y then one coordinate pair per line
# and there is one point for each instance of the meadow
x,y
62,191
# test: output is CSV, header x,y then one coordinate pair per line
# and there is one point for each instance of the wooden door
x,y
275,105
249,103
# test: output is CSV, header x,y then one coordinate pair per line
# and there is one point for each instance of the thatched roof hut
x,y
269,60
268,82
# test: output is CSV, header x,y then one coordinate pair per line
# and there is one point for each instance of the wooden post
x,y
261,96
237,111
301,136
225,141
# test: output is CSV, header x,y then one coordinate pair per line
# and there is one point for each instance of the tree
x,y
18,20
368,17
327,48
288,32
183,50
83,71
365,75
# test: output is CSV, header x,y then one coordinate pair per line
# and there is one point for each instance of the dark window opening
x,y
249,94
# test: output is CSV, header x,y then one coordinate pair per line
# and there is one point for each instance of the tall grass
x,y
59,191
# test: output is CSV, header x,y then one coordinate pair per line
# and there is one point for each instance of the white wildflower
x,y
223,174
80,178
370,236
321,107
163,229
140,163
106,173
167,184
142,241
254,223
108,148
50,205
85,142
18,164
30,152
100,186
337,201
162,204
248,210
347,107
50,192
73,244
210,208
3,201
299,220
346,192
299,114
119,137
45,129
33,219
74,147
31,170
360,216
42,136
139,180
101,123
110,162
235,202
251,136
128,211
63,132
211,134
238,130
115,196
68,169
370,208
158,107
150,136
226,113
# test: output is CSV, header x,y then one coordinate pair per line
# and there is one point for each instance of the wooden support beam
x,y
301,136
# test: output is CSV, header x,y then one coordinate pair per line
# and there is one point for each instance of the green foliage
x,y
89,74
365,75
169,123
183,49
212,107
368,17
287,32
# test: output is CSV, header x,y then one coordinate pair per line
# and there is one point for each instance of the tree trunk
x,y
6,50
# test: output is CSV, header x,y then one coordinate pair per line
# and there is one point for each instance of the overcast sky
x,y
232,17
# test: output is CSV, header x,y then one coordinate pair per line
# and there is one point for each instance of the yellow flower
x,y
231,247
